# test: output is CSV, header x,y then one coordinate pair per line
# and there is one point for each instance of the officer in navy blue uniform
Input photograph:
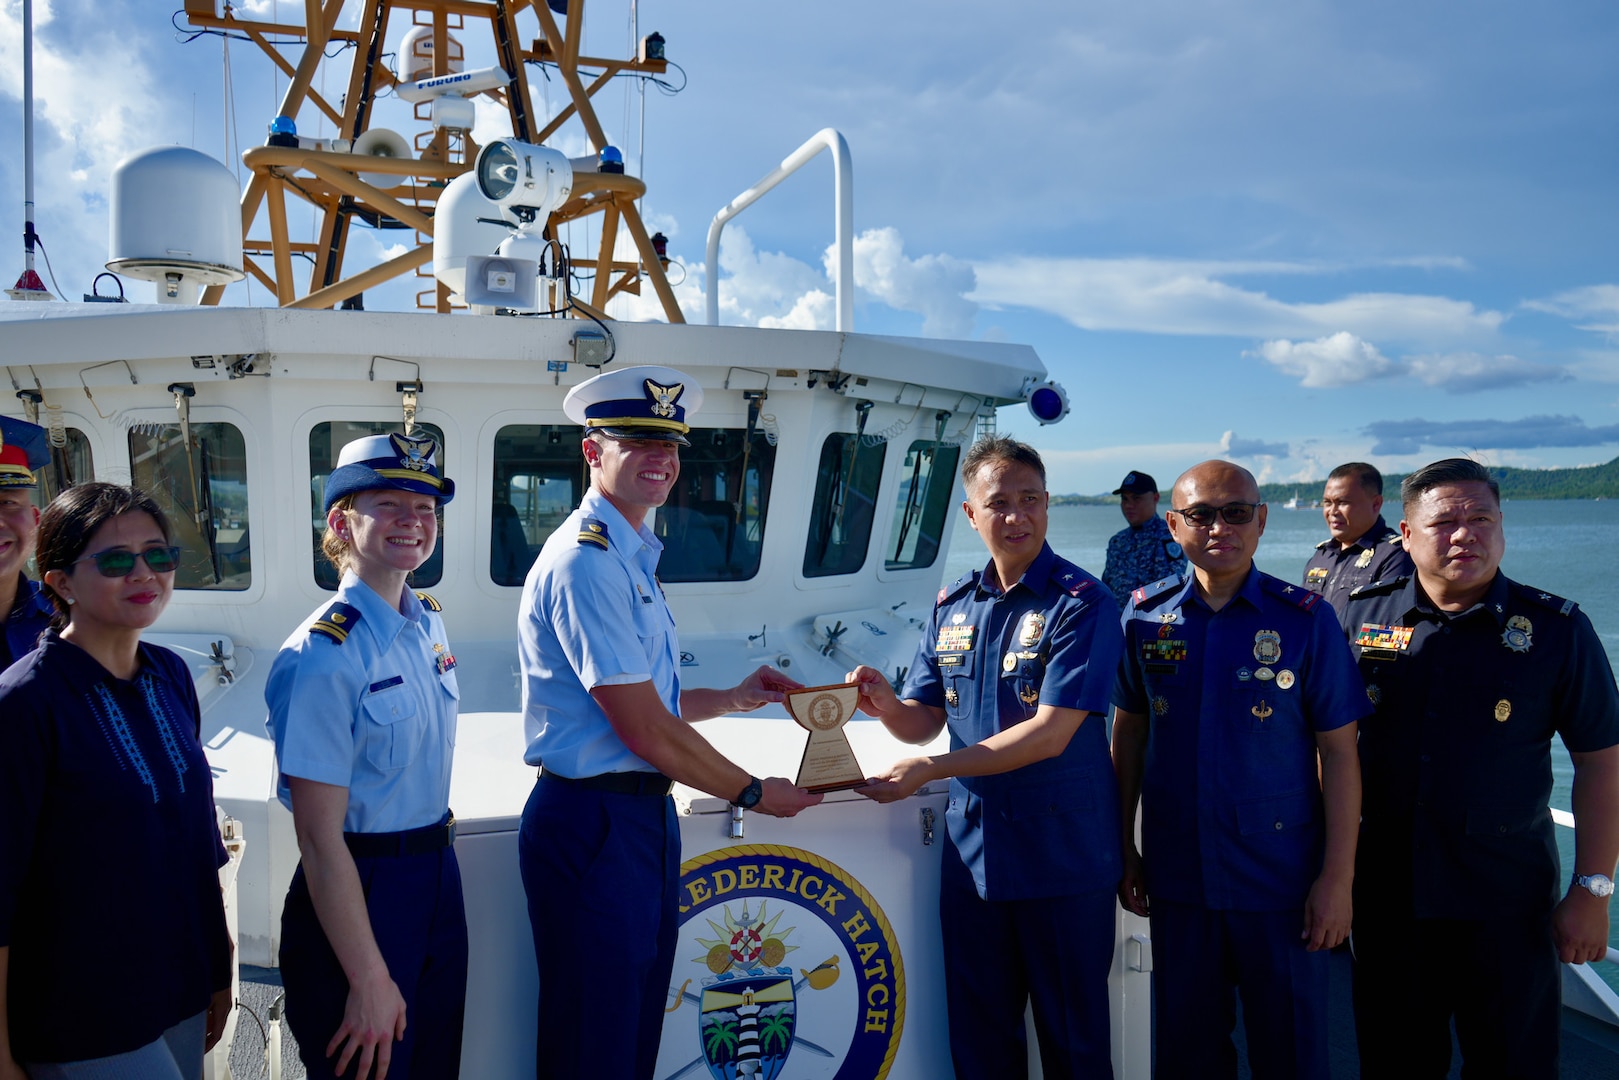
x,y
601,674
363,702
1362,548
1460,909
1144,551
25,611
1235,689
1018,662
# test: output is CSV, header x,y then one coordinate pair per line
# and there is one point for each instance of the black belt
x,y
423,841
617,783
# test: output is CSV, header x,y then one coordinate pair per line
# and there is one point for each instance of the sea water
x,y
1565,547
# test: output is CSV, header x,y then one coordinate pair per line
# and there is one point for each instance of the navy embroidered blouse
x,y
109,852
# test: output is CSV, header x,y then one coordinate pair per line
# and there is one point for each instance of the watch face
x,y
1595,884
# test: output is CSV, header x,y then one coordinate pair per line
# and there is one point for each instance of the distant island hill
x,y
1585,482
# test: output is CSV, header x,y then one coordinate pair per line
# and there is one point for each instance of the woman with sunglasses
x,y
363,701
98,732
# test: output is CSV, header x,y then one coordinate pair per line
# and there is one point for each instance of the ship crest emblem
x,y
792,959
664,398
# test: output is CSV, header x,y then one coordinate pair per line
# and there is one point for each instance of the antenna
x,y
28,286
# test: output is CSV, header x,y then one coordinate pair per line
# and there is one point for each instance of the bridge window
x,y
201,484
845,501
927,481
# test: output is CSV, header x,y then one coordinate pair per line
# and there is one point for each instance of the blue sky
x,y
1292,233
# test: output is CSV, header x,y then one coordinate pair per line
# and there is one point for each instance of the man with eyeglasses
x,y
1361,548
25,612
1460,910
1143,550
1236,709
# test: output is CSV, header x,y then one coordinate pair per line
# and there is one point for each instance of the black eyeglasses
x,y
119,563
1236,513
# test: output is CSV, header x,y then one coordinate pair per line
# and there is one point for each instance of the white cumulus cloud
x,y
1341,359
933,286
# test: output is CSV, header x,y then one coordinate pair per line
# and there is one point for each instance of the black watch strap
x,y
751,794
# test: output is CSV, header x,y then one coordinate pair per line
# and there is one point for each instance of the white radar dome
x,y
414,59
176,221
458,232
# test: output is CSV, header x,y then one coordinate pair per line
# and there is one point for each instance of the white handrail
x,y
843,215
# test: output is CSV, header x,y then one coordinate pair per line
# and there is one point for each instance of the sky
x,y
1290,233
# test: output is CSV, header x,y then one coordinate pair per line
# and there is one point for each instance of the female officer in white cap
x,y
363,712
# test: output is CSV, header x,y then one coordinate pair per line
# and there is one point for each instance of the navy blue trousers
x,y
1499,978
1201,958
601,872
420,924
1002,955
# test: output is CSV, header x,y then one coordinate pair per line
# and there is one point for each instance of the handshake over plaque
x,y
828,763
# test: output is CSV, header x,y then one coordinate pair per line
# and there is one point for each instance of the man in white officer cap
x,y
610,726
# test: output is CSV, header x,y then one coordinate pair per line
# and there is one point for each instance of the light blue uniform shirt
x,y
592,617
374,713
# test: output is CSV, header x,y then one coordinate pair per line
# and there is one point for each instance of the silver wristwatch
x,y
1598,885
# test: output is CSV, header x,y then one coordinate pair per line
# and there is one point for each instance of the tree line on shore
x,y
1583,482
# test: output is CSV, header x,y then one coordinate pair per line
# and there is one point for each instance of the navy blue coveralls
x,y
1233,829
1027,886
1457,869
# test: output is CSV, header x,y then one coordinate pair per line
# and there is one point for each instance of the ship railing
x,y
843,215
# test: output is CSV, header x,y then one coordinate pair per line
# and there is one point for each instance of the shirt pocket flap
x,y
390,706
1278,813
1066,794
1505,820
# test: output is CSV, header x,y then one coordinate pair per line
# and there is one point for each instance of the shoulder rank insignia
x,y
1070,578
1324,543
1381,587
1156,589
428,602
592,531
965,581
336,623
1394,538
1297,594
1556,603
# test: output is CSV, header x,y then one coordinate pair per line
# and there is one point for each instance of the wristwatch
x,y
1598,885
756,790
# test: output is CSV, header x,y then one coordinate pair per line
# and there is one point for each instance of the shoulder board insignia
x,y
955,588
1070,578
1394,538
1156,589
1296,594
1322,545
336,623
1540,596
1379,588
428,602
593,531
